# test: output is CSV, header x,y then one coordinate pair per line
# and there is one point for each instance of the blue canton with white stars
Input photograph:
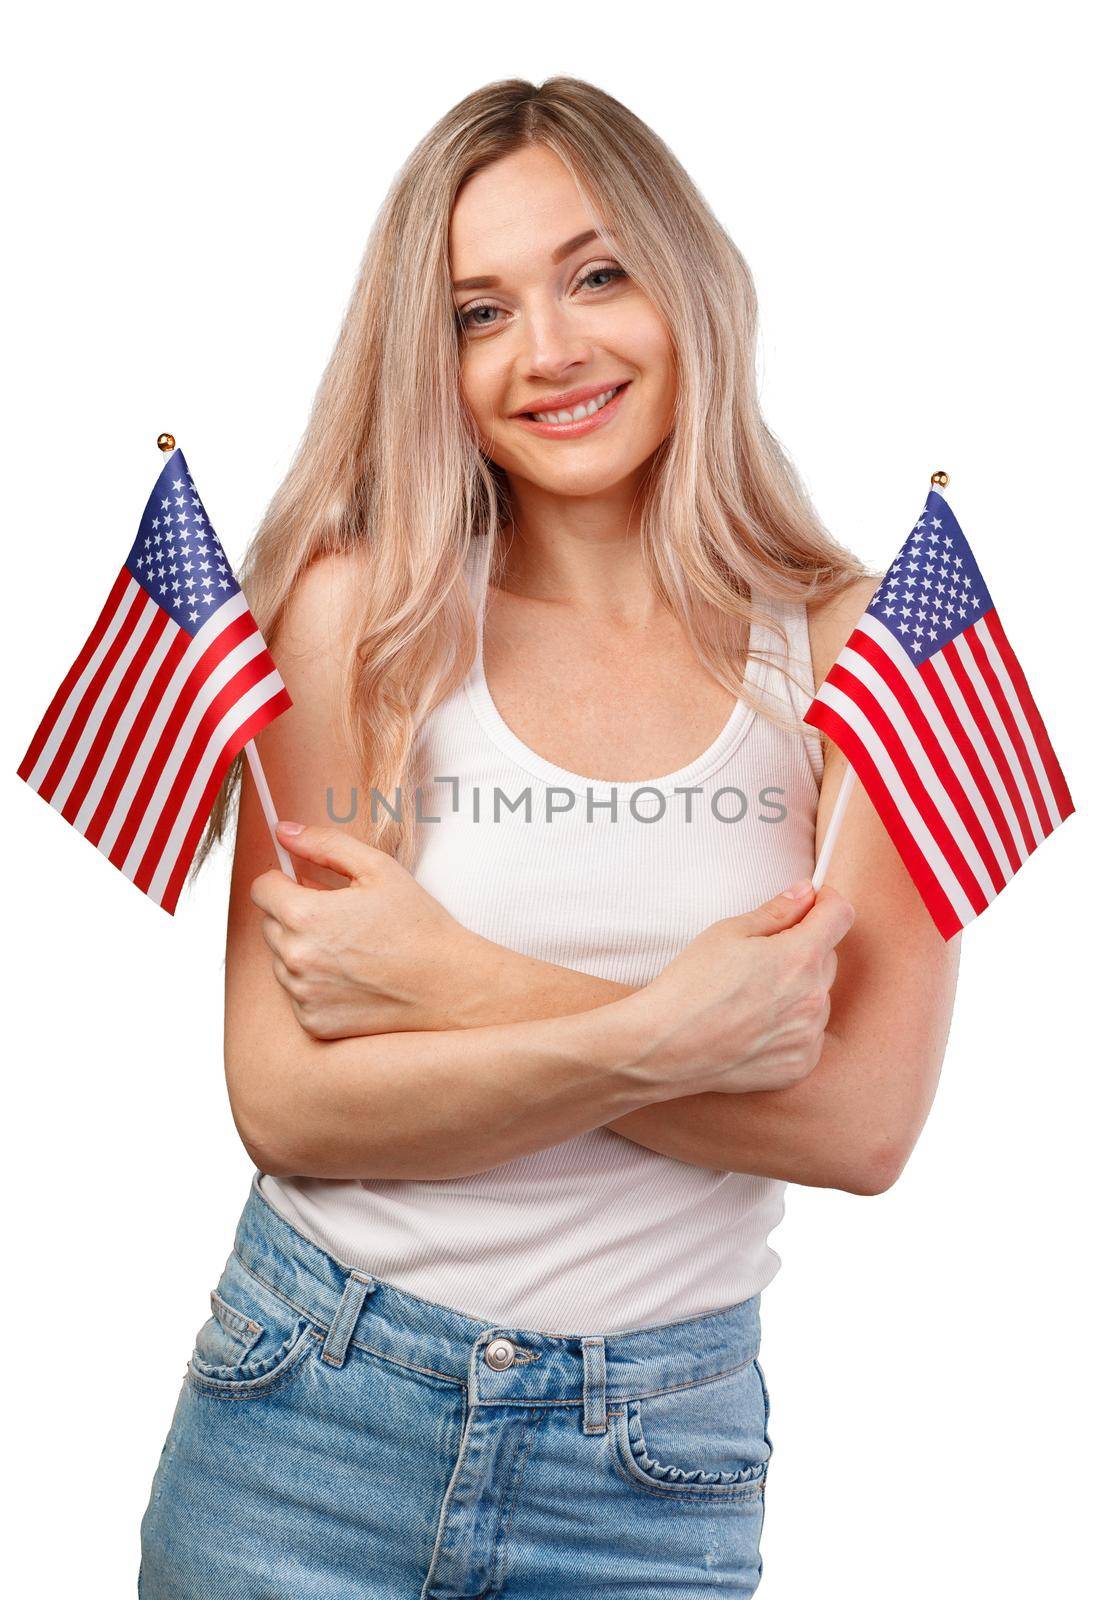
x,y
934,591
177,557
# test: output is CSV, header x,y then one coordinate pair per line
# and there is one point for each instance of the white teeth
x,y
578,412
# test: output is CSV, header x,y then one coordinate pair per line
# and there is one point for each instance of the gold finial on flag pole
x,y
166,442
939,480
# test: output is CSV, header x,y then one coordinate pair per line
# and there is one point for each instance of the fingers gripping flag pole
x,y
172,681
932,708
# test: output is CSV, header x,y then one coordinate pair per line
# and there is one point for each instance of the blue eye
x,y
469,311
608,271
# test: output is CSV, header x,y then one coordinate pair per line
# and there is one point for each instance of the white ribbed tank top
x,y
595,1234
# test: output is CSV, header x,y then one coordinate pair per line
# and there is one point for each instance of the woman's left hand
x,y
379,955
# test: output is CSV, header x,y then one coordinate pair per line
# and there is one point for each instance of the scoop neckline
x,y
719,749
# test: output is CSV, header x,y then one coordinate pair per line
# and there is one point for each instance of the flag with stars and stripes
x,y
172,681
932,708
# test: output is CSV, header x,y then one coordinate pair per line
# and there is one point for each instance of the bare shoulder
x,y
319,611
304,752
831,622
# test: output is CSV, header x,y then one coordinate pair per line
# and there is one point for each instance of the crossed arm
x,y
846,1126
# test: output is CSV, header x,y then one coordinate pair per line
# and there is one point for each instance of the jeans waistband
x,y
498,1363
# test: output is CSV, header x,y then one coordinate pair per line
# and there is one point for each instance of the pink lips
x,y
573,430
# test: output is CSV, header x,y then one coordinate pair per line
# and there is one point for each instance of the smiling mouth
x,y
576,413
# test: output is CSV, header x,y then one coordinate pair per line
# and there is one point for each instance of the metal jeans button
x,y
500,1353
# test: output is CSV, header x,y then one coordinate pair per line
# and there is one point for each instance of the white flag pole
x,y
167,444
268,808
833,829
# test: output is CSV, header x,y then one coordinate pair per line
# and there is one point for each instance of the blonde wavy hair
x,y
390,469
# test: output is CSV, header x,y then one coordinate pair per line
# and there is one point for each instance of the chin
x,y
588,481
581,472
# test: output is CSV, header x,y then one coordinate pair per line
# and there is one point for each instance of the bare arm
x,y
399,1104
853,1121
414,1104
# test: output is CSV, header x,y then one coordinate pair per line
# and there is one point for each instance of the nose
x,y
554,343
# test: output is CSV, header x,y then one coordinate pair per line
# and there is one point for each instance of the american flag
x,y
172,681
930,705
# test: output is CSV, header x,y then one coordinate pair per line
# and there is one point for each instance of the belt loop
x,y
357,1288
594,1384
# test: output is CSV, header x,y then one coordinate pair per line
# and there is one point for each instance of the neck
x,y
582,552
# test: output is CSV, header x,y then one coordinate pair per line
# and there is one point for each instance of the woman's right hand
x,y
745,1004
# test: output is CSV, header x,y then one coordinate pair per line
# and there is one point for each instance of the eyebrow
x,y
558,255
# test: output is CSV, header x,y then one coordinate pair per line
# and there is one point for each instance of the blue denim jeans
x,y
335,1436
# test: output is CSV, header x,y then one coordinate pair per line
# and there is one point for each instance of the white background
x,y
188,194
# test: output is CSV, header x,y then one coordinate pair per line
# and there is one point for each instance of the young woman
x,y
526,1058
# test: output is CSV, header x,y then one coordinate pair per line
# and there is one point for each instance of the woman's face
x,y
553,313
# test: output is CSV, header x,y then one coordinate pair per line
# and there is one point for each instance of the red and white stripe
x,y
953,754
139,736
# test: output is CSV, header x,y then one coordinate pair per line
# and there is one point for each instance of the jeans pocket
x,y
704,1442
252,1342
228,1335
